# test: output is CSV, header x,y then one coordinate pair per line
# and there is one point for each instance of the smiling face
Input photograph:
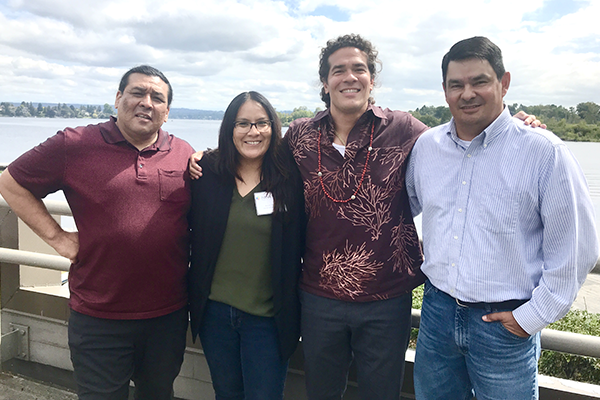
x,y
474,95
349,82
251,145
142,108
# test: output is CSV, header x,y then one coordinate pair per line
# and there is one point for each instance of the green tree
x,y
302,112
22,110
589,112
427,119
108,110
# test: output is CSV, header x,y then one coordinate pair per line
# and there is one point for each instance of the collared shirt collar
x,y
112,134
377,111
493,130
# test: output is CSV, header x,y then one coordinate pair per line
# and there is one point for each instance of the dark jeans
x,y
375,334
107,354
242,351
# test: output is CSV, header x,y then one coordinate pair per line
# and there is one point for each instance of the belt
x,y
506,305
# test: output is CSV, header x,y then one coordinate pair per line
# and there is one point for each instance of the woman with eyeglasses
x,y
248,228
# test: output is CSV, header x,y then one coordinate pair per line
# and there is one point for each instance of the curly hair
x,y
333,45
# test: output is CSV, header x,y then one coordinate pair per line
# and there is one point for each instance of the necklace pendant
x,y
362,177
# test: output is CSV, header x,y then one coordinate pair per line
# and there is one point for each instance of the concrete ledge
x,y
555,388
18,388
50,362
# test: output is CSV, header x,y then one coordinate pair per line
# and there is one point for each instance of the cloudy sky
x,y
75,51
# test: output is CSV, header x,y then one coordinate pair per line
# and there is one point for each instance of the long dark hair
x,y
276,168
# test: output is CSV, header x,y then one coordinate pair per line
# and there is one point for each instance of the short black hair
x,y
476,47
333,45
146,70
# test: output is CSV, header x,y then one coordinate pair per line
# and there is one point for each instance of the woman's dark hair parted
x,y
276,167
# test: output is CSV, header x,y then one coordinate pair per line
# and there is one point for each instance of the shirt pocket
x,y
498,212
173,186
385,167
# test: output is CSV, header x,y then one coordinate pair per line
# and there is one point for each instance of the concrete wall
x,y
31,276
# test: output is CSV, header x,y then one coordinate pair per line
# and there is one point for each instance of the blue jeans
x,y
375,334
242,351
458,354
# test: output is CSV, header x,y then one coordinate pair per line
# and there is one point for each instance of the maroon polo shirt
x,y
130,208
365,249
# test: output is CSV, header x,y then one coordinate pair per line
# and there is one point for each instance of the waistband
x,y
510,305
503,305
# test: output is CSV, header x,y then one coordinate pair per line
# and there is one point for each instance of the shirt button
x,y
455,237
460,210
141,165
453,264
464,182
485,145
468,155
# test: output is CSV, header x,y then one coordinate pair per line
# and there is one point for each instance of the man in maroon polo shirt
x,y
127,186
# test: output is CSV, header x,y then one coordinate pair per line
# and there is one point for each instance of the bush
x,y
567,366
417,300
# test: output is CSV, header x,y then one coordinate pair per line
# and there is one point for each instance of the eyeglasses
x,y
245,126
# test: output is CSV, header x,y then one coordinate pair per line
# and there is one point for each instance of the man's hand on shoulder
x,y
507,319
193,167
530,120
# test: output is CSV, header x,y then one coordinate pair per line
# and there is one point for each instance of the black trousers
x,y
375,334
107,354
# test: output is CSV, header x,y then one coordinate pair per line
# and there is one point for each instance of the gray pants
x,y
107,354
375,334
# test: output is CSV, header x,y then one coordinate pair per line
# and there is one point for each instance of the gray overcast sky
x,y
75,51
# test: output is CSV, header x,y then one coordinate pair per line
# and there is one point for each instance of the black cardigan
x,y
211,201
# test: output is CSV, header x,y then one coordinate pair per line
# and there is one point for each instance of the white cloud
x,y
67,51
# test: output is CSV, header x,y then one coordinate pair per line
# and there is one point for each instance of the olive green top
x,y
242,276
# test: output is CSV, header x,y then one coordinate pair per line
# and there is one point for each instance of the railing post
x,y
9,273
9,238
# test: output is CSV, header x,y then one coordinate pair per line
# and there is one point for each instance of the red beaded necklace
x,y
362,177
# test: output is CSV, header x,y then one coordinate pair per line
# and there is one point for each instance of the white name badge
x,y
264,203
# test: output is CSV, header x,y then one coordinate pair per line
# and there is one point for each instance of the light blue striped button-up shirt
x,y
506,216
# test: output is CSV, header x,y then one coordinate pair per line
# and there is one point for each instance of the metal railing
x,y
16,341
566,342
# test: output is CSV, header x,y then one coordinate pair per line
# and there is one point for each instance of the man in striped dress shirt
x,y
508,233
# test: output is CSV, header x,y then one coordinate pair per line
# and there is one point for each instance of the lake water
x,y
18,135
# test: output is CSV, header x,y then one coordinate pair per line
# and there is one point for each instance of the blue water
x,y
18,135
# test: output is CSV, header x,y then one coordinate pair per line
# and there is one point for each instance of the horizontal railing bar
x,y
571,343
564,342
33,259
56,207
